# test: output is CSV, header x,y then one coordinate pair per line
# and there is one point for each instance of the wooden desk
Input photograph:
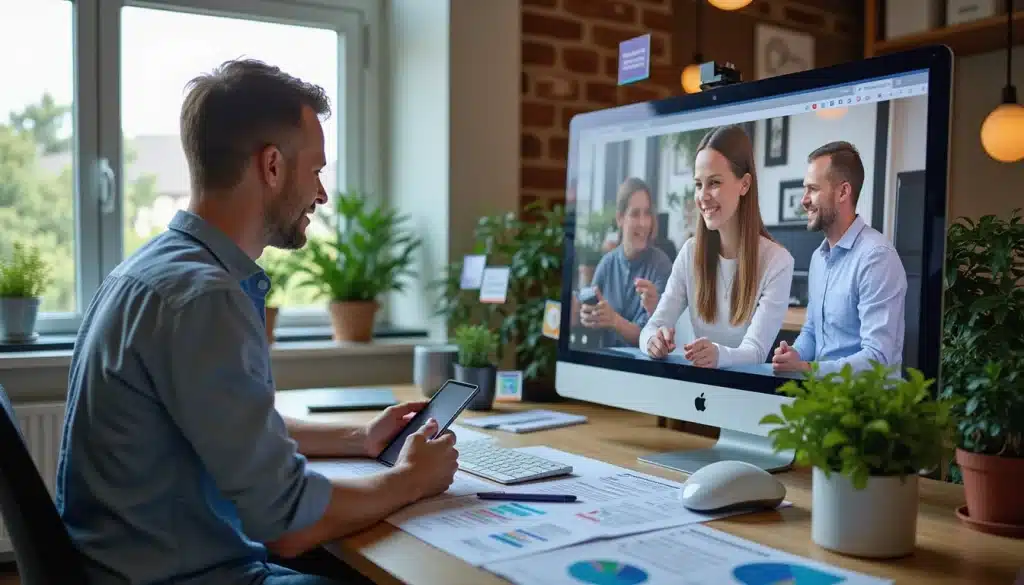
x,y
947,552
794,319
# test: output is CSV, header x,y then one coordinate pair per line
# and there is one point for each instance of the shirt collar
x,y
227,252
849,238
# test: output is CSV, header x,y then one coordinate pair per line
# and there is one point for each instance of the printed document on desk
x,y
693,555
464,484
613,501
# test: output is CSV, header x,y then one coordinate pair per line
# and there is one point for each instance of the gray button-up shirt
x,y
174,465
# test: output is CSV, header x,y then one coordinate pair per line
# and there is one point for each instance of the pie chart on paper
x,y
604,572
783,574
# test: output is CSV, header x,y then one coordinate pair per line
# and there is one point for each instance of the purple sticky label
x,y
635,59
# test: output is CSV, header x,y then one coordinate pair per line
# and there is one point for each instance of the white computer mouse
x,y
731,485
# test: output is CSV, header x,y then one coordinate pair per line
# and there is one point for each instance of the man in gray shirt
x,y
175,468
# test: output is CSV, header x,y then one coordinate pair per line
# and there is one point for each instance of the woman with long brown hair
x,y
732,275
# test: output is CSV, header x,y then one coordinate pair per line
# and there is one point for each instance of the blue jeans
x,y
271,574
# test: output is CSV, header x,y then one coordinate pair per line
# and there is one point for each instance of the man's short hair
x,y
844,164
235,111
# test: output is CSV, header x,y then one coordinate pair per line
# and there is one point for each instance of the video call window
x,y
643,268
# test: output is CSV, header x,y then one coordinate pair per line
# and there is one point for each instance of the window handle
x,y
108,183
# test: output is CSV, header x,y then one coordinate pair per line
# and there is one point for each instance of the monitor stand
x,y
731,446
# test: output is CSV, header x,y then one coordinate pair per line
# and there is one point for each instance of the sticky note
x,y
552,319
494,287
635,59
508,387
472,272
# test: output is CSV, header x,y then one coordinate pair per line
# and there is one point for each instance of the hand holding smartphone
x,y
427,458
445,406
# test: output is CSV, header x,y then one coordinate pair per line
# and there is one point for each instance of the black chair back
x,y
42,547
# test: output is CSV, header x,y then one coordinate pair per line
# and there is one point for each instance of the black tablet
x,y
444,407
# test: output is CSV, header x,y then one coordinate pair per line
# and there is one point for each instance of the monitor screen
x,y
800,216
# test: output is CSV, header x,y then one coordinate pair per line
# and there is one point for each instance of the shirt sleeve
x,y
672,302
221,397
882,292
768,316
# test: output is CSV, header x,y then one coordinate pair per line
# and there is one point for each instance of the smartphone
x,y
444,407
588,296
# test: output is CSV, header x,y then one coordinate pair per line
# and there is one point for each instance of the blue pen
x,y
514,497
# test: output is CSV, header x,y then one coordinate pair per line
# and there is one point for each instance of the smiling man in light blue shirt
x,y
857,284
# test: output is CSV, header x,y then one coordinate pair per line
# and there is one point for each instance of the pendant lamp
x,y
1002,132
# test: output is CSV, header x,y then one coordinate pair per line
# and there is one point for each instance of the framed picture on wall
x,y
776,141
791,210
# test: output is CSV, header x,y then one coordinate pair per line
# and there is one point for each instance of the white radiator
x,y
40,424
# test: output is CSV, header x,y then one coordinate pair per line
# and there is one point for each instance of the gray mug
x,y
433,365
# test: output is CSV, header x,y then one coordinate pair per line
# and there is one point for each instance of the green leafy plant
x,y
863,424
983,333
591,236
278,269
367,253
531,246
23,275
477,345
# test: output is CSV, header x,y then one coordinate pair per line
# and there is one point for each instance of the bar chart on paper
x,y
490,516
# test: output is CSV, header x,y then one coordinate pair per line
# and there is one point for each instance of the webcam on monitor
x,y
714,74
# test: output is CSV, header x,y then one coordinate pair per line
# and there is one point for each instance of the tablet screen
x,y
444,407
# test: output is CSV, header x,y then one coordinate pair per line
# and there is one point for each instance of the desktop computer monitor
x,y
647,200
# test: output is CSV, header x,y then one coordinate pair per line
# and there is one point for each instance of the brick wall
x,y
570,51
570,65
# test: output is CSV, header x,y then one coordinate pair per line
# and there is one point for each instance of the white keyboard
x,y
506,466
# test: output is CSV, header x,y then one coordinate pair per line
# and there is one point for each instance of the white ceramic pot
x,y
879,521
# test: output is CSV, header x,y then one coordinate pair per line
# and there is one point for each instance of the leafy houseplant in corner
x,y
867,436
365,253
983,367
23,277
530,244
477,345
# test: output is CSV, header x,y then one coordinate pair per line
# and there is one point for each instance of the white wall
x,y
980,185
452,127
908,130
807,132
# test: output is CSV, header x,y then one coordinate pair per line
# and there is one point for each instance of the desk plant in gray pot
x,y
477,345
23,277
867,435
983,367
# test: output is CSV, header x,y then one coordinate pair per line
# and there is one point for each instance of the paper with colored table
x,y
613,501
692,555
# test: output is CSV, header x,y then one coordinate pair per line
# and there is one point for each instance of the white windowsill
x,y
280,351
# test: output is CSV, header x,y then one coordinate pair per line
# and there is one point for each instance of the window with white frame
x,y
91,164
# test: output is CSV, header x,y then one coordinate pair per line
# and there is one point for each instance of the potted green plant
x,y
867,435
588,246
367,252
983,366
475,364
530,244
23,278
275,265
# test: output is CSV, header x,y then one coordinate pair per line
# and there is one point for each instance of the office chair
x,y
42,546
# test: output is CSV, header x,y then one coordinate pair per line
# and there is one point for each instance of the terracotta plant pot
x,y
992,488
271,316
353,320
